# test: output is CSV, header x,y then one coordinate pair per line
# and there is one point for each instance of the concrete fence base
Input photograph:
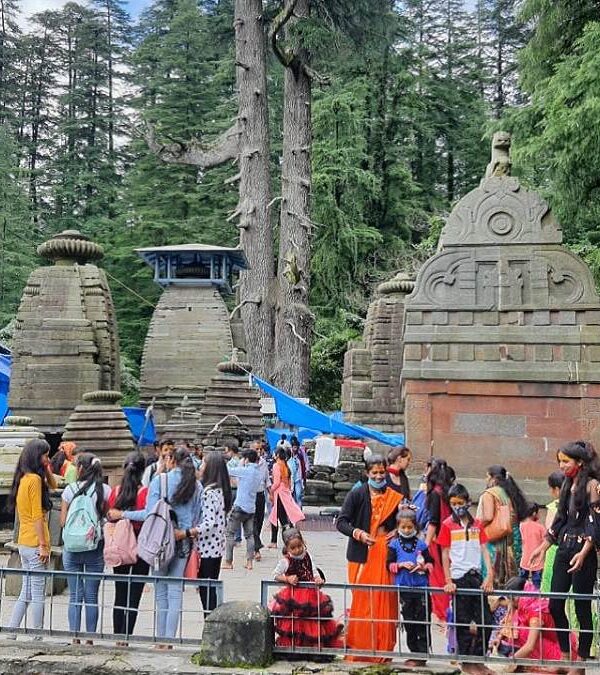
x,y
237,634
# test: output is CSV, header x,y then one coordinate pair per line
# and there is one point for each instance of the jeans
x,y
582,582
298,493
209,569
536,577
169,599
127,597
82,590
236,518
33,589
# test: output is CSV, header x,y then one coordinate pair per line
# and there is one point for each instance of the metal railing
x,y
56,606
440,638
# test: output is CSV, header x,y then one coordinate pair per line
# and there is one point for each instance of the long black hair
x,y
215,473
187,485
585,453
504,480
30,461
440,474
89,472
133,470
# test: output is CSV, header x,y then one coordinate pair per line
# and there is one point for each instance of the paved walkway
x,y
326,545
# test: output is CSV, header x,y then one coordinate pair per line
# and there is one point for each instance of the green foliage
x,y
556,138
327,360
17,236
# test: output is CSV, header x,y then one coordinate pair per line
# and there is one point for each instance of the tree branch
x,y
285,57
295,332
237,308
195,153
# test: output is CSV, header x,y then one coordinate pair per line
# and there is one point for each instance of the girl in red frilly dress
x,y
303,616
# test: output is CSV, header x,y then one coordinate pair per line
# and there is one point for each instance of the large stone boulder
x,y
237,634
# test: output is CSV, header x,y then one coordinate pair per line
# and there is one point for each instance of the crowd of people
x,y
435,540
181,513
177,513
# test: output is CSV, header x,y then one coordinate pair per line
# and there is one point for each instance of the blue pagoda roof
x,y
235,255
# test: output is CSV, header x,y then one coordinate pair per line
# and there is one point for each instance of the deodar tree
x,y
247,144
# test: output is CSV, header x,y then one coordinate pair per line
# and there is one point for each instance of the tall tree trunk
x,y
248,142
256,284
294,320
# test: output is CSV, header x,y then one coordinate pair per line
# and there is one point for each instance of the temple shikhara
x,y
502,335
190,332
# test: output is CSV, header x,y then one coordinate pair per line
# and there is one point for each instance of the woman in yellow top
x,y
31,500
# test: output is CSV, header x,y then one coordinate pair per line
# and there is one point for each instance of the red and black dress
x,y
303,616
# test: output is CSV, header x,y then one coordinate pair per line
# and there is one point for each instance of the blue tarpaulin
x,y
292,411
5,361
142,429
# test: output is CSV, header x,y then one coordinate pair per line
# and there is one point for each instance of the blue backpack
x,y
419,501
82,530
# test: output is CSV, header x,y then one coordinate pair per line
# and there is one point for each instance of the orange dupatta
x,y
364,633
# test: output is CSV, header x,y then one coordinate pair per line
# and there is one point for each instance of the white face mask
x,y
408,535
298,557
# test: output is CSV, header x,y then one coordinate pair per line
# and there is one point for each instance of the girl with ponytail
x,y
575,531
90,482
129,495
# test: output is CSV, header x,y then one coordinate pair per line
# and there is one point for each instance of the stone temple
x,y
502,336
65,341
190,331
371,392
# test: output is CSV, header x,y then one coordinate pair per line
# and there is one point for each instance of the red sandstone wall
x,y
518,425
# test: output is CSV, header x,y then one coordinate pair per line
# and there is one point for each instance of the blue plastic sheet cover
x,y
140,426
292,411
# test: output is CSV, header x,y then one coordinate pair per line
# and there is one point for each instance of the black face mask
x,y
460,511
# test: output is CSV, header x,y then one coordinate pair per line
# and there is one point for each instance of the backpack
x,y
82,530
156,540
419,501
120,544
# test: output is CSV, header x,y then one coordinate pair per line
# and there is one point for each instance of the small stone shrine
x,y
99,425
190,331
502,335
231,406
371,392
65,340
184,423
14,433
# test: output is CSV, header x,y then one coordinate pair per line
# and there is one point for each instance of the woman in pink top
x,y
532,535
285,510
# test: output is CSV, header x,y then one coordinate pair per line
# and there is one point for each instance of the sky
x,y
30,7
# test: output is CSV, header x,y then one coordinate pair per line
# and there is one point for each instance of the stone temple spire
x,y
66,341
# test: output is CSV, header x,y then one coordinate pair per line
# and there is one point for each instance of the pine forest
x,y
364,122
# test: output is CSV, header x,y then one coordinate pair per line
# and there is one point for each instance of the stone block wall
x,y
519,425
371,392
188,336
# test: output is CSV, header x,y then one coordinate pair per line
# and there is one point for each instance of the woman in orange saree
x,y
367,517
